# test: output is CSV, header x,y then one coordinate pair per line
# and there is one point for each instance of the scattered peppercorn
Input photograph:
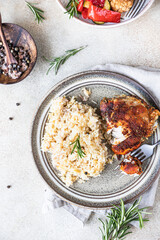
x,y
18,104
10,118
9,186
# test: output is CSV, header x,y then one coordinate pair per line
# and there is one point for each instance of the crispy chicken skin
x,y
131,165
130,120
128,145
121,5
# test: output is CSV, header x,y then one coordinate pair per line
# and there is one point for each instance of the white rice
x,y
67,120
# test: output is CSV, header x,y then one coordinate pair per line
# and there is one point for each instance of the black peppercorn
x,y
21,55
14,65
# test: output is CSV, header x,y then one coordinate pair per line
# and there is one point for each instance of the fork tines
x,y
138,154
136,8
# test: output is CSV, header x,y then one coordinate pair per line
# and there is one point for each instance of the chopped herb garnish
x,y
77,146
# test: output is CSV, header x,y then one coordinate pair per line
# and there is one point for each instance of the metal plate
x,y
111,185
147,5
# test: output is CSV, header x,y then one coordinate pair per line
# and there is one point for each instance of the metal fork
x,y
145,151
136,8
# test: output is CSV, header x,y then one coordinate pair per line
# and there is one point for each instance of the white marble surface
x,y
20,206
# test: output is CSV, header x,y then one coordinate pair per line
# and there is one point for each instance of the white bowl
x,y
147,5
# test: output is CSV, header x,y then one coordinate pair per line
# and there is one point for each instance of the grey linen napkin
x,y
148,77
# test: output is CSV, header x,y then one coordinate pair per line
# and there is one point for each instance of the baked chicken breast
x,y
121,5
130,120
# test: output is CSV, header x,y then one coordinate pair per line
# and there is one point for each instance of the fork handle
x,y
157,143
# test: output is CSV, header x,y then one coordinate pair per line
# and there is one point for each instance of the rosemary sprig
x,y
36,11
77,146
58,61
72,8
116,226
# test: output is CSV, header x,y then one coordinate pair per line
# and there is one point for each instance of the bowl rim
x,y
35,56
149,4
